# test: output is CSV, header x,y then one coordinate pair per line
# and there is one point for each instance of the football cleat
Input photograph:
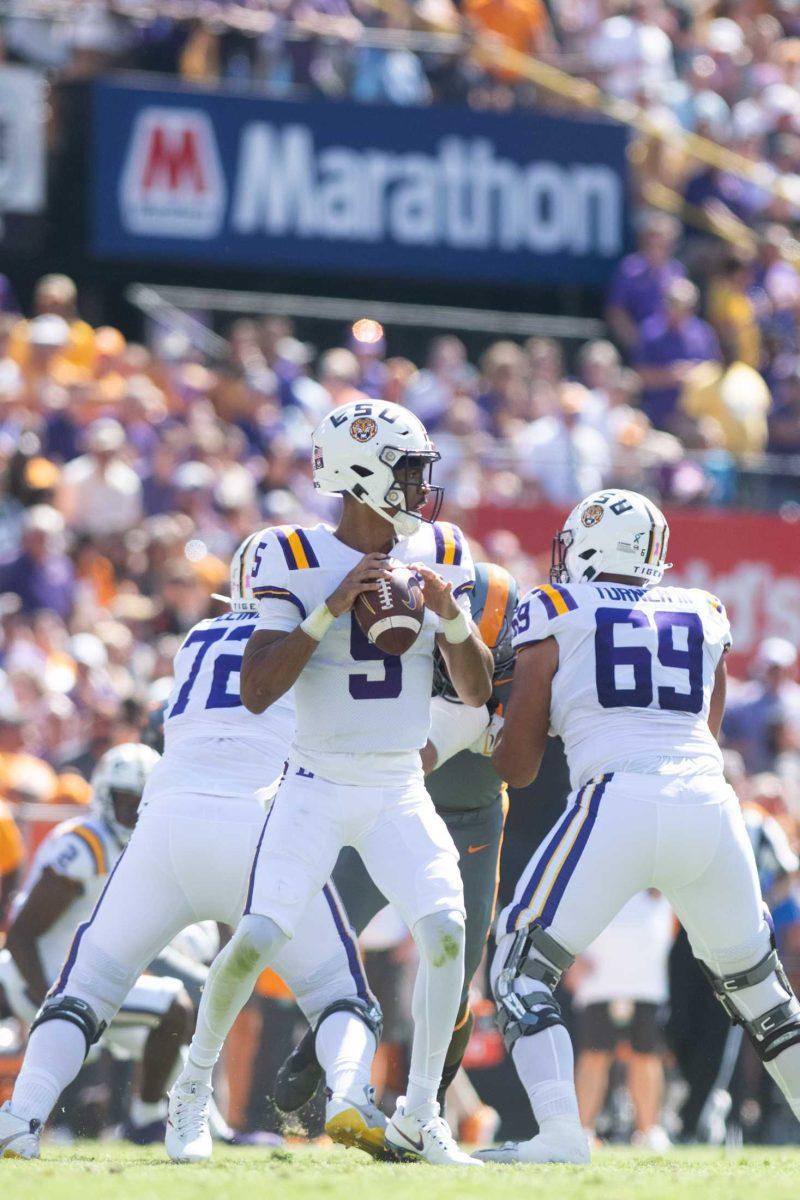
x,y
357,1124
559,1142
19,1138
298,1077
188,1138
655,1139
412,1138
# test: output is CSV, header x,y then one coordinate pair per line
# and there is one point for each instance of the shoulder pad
x,y
449,544
65,858
537,615
715,603
556,600
296,547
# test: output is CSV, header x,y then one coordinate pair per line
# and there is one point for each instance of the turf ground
x,y
92,1171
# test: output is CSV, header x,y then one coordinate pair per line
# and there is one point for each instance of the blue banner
x,y
192,177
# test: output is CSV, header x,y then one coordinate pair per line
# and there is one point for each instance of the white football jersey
x,y
212,744
635,673
353,702
83,849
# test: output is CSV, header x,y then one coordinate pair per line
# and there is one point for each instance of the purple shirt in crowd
x,y
638,287
48,584
662,345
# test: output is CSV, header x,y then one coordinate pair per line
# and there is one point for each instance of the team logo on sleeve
x,y
593,515
363,429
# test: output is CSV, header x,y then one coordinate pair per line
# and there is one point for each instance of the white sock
x,y
545,1065
143,1112
437,995
54,1057
345,1049
229,986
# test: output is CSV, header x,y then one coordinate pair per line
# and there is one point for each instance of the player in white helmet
x,y
632,676
354,775
68,874
189,859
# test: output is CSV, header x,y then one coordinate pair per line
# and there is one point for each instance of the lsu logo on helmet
x,y
593,515
363,429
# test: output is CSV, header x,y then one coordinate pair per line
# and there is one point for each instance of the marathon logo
x,y
461,196
172,184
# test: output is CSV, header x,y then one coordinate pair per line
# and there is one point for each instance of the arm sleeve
x,y
454,727
279,605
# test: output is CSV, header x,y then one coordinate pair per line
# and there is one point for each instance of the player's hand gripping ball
x,y
392,616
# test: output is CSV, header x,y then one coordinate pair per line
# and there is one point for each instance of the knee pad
x,y
370,1013
75,1012
523,988
101,981
256,940
441,937
777,1027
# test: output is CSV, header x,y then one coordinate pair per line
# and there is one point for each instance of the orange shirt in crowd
x,y
79,353
522,25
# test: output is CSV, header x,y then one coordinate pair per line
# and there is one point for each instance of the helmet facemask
x,y
558,556
411,491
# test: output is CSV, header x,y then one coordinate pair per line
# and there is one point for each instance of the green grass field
x,y
91,1170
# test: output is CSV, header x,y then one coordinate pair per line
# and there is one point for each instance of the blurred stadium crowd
x,y
130,471
699,392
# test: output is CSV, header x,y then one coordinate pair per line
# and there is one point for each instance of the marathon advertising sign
x,y
193,177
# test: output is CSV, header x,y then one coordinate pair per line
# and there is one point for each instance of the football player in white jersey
x,y
68,873
354,775
632,676
189,860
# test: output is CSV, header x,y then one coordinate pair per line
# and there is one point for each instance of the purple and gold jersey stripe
x,y
297,549
270,592
556,600
95,845
556,862
449,544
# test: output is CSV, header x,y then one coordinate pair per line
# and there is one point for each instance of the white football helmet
x,y
123,768
242,568
368,449
612,532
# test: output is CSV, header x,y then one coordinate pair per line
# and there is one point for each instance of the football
x,y
391,618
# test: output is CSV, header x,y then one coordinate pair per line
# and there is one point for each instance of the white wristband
x,y
457,629
318,622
